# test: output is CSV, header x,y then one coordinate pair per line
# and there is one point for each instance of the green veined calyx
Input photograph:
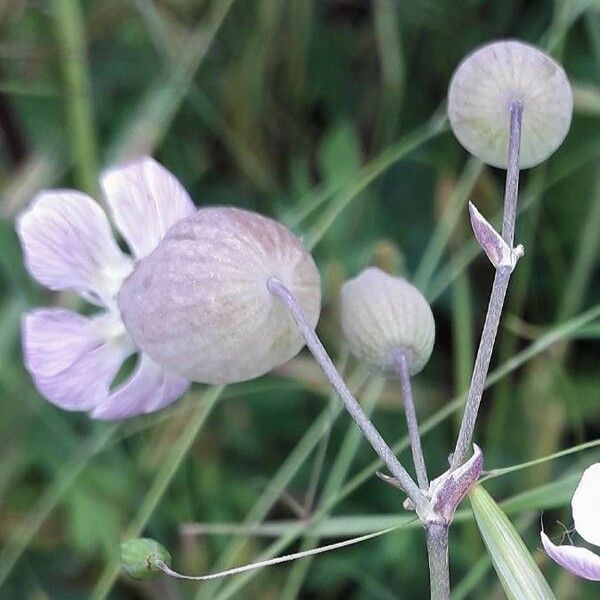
x,y
383,315
492,78
199,304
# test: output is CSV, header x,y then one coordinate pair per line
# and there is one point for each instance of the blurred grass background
x,y
328,115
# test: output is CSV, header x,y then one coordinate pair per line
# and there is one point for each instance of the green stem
x,y
48,501
291,535
70,32
436,125
159,486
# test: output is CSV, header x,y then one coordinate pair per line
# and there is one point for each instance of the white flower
x,y
68,245
192,299
586,515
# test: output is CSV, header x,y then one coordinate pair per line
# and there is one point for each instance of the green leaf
x,y
518,572
339,156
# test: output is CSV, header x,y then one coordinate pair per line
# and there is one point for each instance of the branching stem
x,y
499,288
402,368
278,289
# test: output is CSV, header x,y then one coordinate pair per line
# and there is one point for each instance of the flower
x,y
586,500
192,300
68,245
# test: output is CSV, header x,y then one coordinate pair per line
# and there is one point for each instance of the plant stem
x,y
402,369
163,478
278,289
70,31
511,190
436,535
499,288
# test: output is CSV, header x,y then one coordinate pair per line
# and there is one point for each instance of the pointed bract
x,y
447,491
501,255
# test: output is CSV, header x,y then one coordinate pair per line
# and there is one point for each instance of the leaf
x,y
518,573
339,156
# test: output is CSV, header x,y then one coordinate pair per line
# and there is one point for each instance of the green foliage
x,y
516,568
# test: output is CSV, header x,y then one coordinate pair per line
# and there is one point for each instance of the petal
x,y
71,358
579,561
586,505
149,389
68,244
145,200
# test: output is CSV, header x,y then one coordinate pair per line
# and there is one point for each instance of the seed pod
x,y
382,315
483,88
199,304
139,557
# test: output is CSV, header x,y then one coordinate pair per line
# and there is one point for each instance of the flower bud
x,y
139,557
199,304
488,81
383,315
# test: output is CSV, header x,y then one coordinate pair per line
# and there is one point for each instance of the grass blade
x,y
519,574
70,32
159,486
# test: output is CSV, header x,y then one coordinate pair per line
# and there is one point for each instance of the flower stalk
x,y
497,296
401,364
373,436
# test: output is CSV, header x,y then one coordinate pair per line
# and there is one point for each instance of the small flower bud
x,y
199,304
139,557
383,315
483,88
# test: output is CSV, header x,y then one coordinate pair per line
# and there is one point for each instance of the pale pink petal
x,y
149,389
71,358
68,244
579,561
586,505
146,200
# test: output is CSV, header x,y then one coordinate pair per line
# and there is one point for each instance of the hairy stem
x,y
500,285
401,367
436,535
278,289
